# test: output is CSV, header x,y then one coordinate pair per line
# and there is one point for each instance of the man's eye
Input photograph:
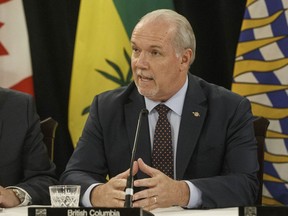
x,y
134,49
155,53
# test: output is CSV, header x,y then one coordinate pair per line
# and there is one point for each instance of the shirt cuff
x,y
86,202
195,199
27,199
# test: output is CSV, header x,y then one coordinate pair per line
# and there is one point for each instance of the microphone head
x,y
144,111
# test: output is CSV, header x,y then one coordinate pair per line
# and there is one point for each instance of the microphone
x,y
129,185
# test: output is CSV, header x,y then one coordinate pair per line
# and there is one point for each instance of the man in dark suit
x,y
25,168
214,148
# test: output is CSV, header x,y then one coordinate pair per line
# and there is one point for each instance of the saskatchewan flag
x,y
102,52
261,74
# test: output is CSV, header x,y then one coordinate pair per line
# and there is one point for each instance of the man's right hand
x,y
112,194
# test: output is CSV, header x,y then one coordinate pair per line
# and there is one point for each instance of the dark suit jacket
x,y
216,151
24,161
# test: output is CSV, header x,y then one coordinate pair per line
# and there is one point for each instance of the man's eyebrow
x,y
150,47
156,46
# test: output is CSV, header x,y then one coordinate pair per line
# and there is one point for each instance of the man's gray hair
x,y
184,34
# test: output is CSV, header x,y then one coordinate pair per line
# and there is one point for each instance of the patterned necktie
x,y
162,155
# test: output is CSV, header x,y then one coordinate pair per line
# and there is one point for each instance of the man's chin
x,y
148,94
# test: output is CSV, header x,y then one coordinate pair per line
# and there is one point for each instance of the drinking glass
x,y
64,195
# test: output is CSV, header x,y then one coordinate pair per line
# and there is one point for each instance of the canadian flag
x,y
15,58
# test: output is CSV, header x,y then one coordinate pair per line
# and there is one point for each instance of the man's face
x,y
157,70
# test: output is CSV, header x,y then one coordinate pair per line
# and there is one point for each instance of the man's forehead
x,y
147,36
150,32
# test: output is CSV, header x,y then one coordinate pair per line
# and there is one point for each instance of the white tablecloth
x,y
175,211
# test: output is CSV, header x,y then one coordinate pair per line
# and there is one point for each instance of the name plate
x,y
84,211
263,211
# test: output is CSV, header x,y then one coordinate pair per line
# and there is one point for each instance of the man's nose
x,y
142,61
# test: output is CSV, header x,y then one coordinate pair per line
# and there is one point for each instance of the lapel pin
x,y
196,114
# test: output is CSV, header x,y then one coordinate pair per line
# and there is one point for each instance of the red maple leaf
x,y
3,51
3,1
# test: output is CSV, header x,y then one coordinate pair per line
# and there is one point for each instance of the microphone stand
x,y
129,185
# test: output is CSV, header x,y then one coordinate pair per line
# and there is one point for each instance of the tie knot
x,y
162,109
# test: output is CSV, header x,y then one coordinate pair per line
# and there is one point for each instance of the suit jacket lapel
x,y
192,120
132,110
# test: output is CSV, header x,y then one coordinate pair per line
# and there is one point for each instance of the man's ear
x,y
186,59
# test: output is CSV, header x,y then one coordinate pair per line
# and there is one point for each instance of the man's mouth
x,y
145,79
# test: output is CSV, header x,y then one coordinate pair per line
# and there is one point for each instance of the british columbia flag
x,y
261,75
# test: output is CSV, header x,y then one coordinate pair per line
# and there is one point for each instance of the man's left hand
x,y
8,198
161,192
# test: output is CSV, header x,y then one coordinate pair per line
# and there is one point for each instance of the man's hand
x,y
112,193
8,198
161,191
